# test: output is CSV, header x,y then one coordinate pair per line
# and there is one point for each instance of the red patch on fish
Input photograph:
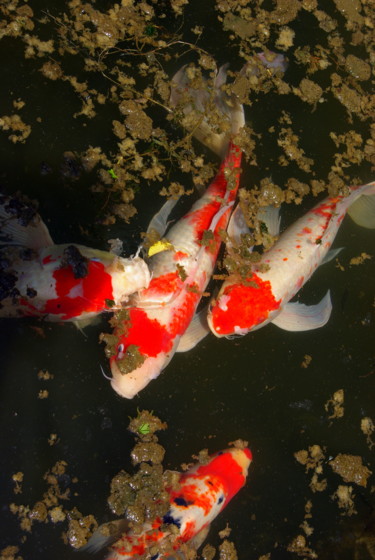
x,y
166,284
96,287
246,306
225,467
183,314
150,336
179,256
48,259
91,293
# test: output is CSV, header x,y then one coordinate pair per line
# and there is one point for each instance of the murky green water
x,y
252,388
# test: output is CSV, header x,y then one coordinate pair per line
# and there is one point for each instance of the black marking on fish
x,y
74,258
170,520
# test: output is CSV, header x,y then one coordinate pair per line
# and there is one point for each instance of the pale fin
x,y
191,99
215,220
159,222
270,216
105,535
237,225
194,543
34,235
362,211
299,317
195,332
332,254
200,537
86,322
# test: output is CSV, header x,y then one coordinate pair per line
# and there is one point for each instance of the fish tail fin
x,y
362,211
210,114
20,224
105,535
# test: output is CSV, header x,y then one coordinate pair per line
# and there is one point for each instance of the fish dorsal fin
x,y
270,216
196,331
17,228
105,535
299,317
362,211
159,221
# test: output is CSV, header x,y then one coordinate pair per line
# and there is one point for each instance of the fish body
x,y
200,495
65,282
243,306
162,312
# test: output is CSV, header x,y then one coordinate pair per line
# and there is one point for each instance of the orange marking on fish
x,y
247,306
306,230
285,258
48,259
179,255
182,315
300,282
165,284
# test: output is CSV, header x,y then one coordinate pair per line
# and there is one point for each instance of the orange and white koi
x,y
200,495
243,305
66,282
158,321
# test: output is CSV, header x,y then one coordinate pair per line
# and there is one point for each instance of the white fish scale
x,y
195,513
290,266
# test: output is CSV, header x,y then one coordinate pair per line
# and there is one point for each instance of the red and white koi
x,y
245,305
161,314
66,282
200,495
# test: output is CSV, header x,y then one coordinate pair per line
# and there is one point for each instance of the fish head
x,y
143,347
128,384
128,276
232,466
226,469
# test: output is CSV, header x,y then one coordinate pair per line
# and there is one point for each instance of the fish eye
x,y
120,349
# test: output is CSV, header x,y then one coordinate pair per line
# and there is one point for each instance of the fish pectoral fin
x,y
362,211
105,535
195,332
159,221
332,254
86,322
34,235
299,317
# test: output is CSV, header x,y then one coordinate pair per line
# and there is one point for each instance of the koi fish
x,y
244,305
157,322
200,495
66,282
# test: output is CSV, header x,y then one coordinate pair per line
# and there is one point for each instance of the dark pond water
x,y
252,388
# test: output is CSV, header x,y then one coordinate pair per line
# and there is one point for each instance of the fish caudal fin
x,y
205,106
362,211
105,535
299,317
20,224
